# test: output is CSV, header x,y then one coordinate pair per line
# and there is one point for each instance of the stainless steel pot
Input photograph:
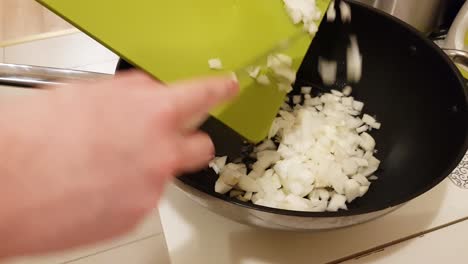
x,y
424,15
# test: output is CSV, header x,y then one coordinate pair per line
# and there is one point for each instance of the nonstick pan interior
x,y
413,89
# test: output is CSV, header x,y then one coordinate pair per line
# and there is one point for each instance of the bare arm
x,y
87,162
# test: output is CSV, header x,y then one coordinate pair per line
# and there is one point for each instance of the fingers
x,y
193,99
197,150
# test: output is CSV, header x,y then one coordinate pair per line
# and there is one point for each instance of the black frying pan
x,y
408,82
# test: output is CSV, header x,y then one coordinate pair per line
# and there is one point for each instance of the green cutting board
x,y
173,40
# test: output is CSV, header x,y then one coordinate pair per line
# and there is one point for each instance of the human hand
x,y
86,162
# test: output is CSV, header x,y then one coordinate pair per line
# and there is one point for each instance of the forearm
x,y
18,213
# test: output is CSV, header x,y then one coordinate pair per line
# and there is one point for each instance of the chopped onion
x,y
367,142
347,90
297,99
304,11
368,119
266,145
318,156
306,90
363,190
351,190
331,12
285,59
218,164
358,106
345,12
327,71
248,184
230,176
254,71
362,129
263,80
336,93
215,64
319,148
354,61
221,187
376,125
337,202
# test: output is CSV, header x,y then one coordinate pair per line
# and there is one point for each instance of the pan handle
x,y
33,76
458,56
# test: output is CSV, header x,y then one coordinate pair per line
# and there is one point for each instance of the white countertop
x,y
195,235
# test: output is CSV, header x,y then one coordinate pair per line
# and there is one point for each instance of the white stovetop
x,y
195,235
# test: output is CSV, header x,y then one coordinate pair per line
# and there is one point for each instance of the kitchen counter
x,y
195,235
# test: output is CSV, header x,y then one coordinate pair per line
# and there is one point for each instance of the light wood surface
x,y
26,18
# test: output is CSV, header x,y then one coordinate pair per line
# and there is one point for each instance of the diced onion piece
x,y
354,61
285,87
363,190
218,164
368,119
248,184
215,64
351,190
285,59
337,202
297,99
367,142
363,181
361,162
376,125
221,187
297,203
312,28
266,145
296,16
327,71
347,90
273,61
345,12
230,176
248,196
306,90
337,93
285,73
255,174
331,12
350,167
242,198
254,71
358,106
263,80
362,129
354,123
